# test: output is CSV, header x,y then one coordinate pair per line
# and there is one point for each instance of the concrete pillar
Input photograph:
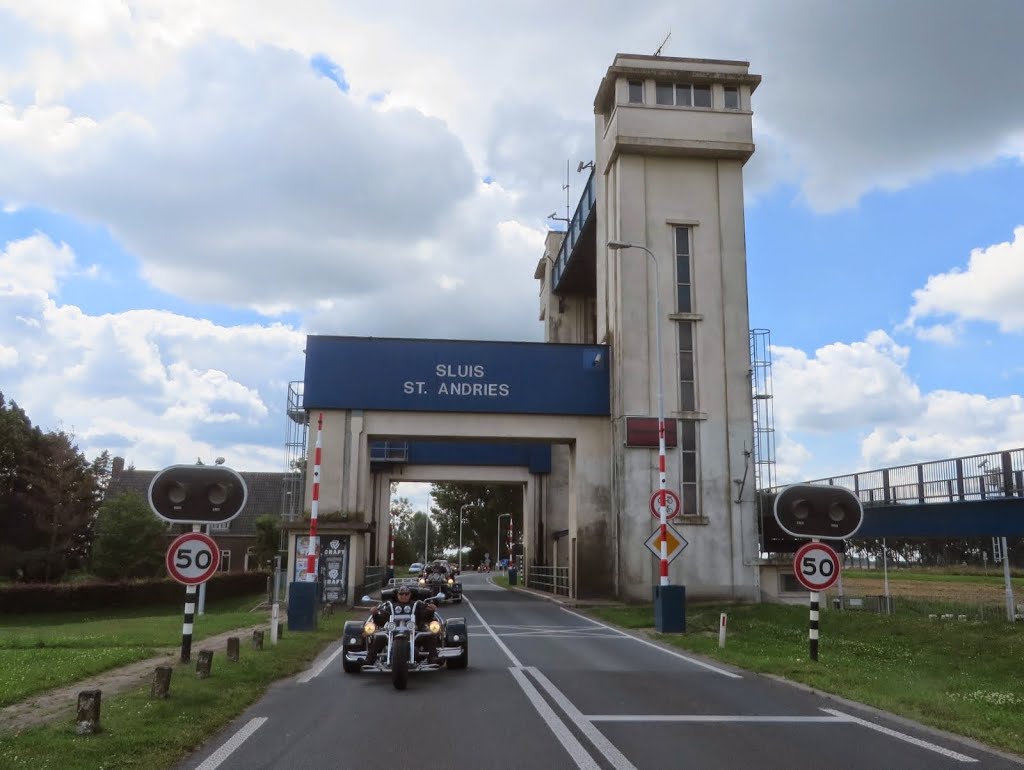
x,y
233,649
161,682
204,663
257,639
88,712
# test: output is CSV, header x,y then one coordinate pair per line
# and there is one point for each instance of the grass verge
x,y
957,676
500,580
138,732
38,652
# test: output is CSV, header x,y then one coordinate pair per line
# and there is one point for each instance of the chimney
x,y
117,467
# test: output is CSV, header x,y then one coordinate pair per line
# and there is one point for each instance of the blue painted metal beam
x,y
536,457
978,518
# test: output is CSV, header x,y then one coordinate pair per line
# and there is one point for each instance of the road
x,y
549,688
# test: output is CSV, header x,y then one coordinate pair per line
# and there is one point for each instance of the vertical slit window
x,y
684,289
688,447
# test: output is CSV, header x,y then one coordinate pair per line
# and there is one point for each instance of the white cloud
x,y
990,289
34,265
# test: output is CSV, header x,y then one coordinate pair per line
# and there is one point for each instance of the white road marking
x,y
903,737
489,630
555,635
605,746
315,672
216,758
569,741
709,718
688,659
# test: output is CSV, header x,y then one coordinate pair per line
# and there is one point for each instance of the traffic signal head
x,y
198,494
826,512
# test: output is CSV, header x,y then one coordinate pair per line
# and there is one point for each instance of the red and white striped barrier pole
x,y
662,502
315,509
391,549
511,555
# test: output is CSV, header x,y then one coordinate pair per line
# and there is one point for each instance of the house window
x,y
688,445
682,94
684,289
225,561
732,98
636,92
221,526
687,378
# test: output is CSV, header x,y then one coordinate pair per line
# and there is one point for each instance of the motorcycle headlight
x,y
369,628
451,582
435,627
422,581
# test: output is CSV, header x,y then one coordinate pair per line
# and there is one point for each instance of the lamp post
x,y
500,517
617,245
462,513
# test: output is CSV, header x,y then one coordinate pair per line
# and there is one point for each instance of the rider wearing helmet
x,y
403,605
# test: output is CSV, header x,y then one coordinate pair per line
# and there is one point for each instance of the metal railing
x,y
389,451
373,578
995,475
573,231
554,580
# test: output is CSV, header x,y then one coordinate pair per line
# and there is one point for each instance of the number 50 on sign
x,y
816,566
193,558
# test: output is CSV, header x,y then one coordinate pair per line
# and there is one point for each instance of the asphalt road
x,y
547,688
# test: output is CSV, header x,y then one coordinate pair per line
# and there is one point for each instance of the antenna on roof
x,y
658,52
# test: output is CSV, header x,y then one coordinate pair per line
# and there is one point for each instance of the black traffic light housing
x,y
815,511
197,494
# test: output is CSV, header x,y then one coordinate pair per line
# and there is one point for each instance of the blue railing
x,y
991,476
579,220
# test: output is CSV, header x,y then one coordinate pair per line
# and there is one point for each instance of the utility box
x,y
670,609
302,606
513,576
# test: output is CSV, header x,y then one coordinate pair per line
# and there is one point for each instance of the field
x,y
38,652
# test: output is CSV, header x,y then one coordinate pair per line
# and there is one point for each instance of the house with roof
x,y
236,538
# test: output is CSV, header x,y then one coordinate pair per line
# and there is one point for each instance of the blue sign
x,y
455,376
536,457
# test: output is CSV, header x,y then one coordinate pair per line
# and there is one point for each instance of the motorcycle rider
x,y
403,605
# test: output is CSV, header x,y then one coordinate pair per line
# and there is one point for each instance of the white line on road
x,y
214,760
569,742
709,718
903,737
489,630
605,746
688,659
315,672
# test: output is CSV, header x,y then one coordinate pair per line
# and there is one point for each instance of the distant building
x,y
235,538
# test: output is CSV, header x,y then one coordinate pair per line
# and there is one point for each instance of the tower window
x,y
732,98
684,288
688,445
636,92
682,94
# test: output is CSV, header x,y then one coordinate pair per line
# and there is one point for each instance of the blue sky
x,y
184,196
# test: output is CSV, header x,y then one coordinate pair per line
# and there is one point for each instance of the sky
x,y
189,188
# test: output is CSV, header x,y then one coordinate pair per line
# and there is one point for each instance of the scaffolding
x,y
296,429
764,421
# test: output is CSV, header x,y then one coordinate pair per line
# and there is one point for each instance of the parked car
x,y
415,567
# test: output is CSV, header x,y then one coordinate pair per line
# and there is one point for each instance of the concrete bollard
x,y
88,712
961,617
203,664
932,617
257,640
233,649
280,630
161,682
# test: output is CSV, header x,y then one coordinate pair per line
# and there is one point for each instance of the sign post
x,y
815,511
191,559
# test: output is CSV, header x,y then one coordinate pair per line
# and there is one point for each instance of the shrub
x,y
64,597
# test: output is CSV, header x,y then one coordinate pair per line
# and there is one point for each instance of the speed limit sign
x,y
193,558
816,566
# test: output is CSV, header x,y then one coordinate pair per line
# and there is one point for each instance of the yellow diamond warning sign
x,y
676,543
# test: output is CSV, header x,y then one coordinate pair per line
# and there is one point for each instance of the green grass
x,y
38,652
500,579
138,732
957,676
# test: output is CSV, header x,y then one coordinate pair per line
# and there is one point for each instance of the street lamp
x,y
462,513
500,517
616,246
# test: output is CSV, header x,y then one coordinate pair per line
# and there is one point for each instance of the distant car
x,y
415,567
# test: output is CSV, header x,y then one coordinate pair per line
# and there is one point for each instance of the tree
x,y
268,539
480,526
410,532
130,541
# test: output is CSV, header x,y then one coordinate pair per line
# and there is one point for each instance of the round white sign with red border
x,y
671,504
193,558
816,566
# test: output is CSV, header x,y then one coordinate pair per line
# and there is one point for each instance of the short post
x,y
88,712
1010,614
280,630
233,649
203,664
161,682
257,640
812,632
275,608
186,626
721,632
